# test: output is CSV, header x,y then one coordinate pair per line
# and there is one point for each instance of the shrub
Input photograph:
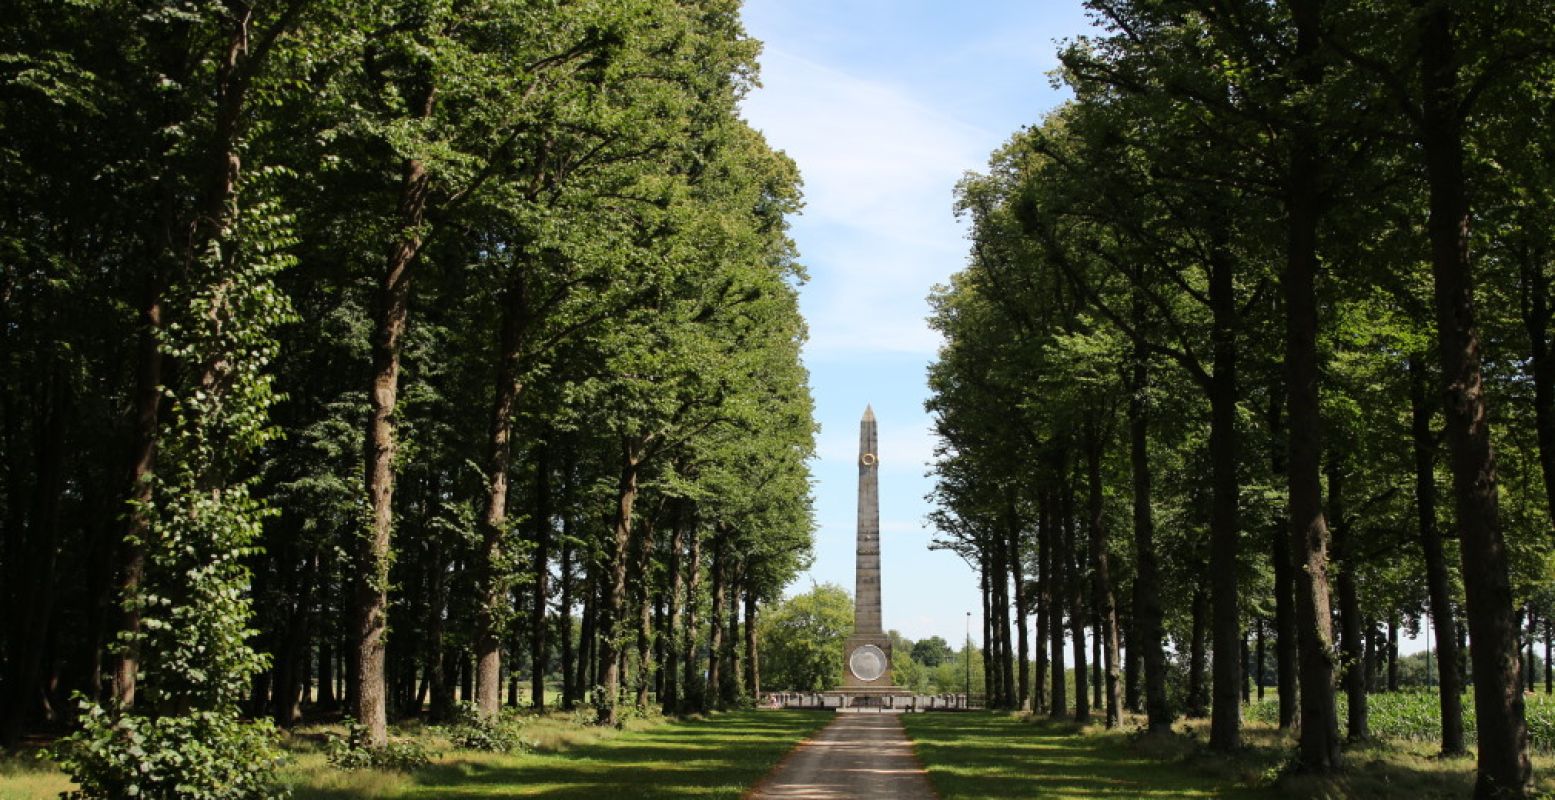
x,y
353,752
201,755
470,731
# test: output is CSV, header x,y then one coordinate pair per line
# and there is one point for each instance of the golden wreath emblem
x,y
869,459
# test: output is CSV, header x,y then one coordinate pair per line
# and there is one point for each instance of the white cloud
x,y
880,168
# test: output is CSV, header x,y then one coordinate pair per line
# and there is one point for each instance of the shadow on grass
x,y
717,757
999,756
993,755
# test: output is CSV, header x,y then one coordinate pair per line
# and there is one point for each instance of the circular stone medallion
x,y
867,662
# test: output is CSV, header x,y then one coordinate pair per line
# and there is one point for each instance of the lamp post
x,y
968,650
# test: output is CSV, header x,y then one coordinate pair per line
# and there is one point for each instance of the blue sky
x,y
885,105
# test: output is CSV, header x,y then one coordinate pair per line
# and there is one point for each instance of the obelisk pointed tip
x,y
869,413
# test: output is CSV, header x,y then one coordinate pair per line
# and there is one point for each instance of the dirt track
x,y
858,756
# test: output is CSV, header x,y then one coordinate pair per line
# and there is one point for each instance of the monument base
x,y
866,659
883,699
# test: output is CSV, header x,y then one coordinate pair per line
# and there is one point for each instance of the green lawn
x,y
717,757
993,755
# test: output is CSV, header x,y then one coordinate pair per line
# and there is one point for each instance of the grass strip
x,y
717,757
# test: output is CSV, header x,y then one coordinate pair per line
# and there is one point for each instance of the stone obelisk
x,y
867,653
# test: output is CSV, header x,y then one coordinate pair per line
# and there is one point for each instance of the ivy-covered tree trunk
x,y
1504,767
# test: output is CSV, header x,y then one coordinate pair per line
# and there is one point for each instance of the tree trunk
x,y
990,648
1197,702
1284,580
1226,713
752,660
1349,609
1101,576
690,693
612,613
585,639
1533,290
672,632
1076,583
715,640
1318,749
539,643
1039,700
1549,664
1055,606
371,578
1023,645
26,690
492,584
729,687
132,570
645,666
1002,617
1504,768
1438,581
1393,653
1259,659
1151,637
564,617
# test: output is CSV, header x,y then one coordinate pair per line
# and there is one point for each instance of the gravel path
x,y
857,756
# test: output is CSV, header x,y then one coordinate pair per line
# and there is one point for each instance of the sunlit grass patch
x,y
24,776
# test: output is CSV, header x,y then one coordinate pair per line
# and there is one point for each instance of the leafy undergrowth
x,y
1003,756
1416,716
